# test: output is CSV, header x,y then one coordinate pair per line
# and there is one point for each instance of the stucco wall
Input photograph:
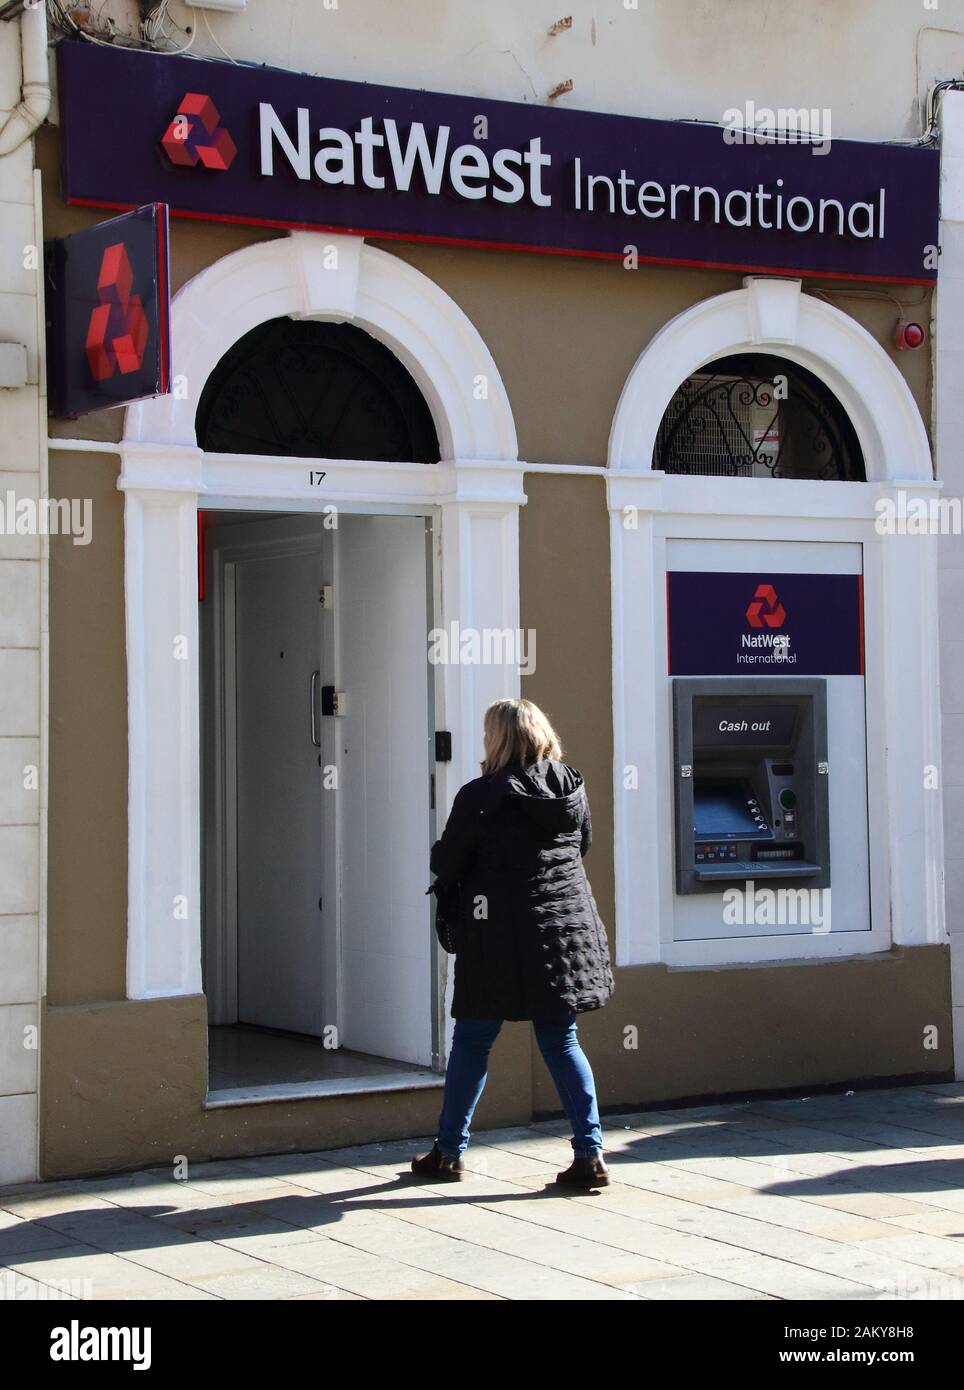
x,y
124,1085
869,61
565,334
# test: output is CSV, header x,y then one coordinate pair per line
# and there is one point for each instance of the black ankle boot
x,y
438,1166
585,1171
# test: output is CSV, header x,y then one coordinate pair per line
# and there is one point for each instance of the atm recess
x,y
750,783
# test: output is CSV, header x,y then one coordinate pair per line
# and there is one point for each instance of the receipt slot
x,y
751,779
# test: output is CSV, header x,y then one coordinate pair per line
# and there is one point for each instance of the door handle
x,y
313,707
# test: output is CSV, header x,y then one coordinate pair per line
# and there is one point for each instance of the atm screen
x,y
743,723
720,811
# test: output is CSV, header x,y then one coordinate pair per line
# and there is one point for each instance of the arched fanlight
x,y
757,416
311,389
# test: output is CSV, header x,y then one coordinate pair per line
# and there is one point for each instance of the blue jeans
x,y
467,1069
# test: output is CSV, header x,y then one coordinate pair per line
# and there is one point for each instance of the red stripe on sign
x,y
743,266
163,299
669,664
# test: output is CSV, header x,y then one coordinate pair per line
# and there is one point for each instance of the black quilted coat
x,y
529,942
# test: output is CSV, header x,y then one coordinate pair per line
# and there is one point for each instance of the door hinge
x,y
443,746
326,596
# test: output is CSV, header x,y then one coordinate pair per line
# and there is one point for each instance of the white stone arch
x,y
336,278
475,491
650,509
775,316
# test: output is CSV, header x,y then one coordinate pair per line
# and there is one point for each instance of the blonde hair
x,y
517,731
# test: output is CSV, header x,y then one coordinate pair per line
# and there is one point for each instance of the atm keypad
x,y
715,854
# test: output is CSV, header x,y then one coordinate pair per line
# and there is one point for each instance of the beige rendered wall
x,y
565,332
124,1081
869,61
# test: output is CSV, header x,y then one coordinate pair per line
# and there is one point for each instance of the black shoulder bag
x,y
447,897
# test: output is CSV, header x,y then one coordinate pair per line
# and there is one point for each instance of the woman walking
x,y
529,942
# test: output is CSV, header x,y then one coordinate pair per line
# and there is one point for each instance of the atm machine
x,y
751,782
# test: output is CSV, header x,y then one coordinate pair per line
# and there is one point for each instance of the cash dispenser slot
x,y
751,781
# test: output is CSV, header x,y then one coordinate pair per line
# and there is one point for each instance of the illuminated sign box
x,y
253,144
108,313
730,624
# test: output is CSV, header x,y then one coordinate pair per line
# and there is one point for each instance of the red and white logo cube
x,y
195,137
118,327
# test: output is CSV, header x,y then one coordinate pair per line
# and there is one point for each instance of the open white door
x,y
381,606
281,893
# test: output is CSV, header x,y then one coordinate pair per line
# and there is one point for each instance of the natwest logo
x,y
118,327
194,135
765,609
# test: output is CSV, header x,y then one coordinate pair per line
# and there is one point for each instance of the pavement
x,y
857,1196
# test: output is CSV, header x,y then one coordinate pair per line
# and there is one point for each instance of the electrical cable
x,y
207,25
153,27
859,292
68,27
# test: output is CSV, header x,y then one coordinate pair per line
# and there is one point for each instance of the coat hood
x,y
550,793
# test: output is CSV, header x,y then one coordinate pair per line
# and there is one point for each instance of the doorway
x,y
317,726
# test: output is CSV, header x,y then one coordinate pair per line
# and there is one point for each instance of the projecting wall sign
x,y
108,313
725,624
260,145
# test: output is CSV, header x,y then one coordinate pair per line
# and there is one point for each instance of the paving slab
x,y
854,1197
96,1274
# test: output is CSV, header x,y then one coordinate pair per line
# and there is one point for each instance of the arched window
x,y
311,389
757,416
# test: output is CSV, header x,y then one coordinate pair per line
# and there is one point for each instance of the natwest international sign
x,y
260,145
733,624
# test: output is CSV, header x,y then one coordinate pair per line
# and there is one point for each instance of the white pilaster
x,y
480,591
23,653
949,434
164,932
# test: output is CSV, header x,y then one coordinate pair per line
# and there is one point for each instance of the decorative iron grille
x,y
315,390
757,417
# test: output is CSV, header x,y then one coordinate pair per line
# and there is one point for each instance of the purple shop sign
x,y
282,149
764,624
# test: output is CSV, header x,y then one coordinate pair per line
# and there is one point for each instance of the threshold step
x,y
407,1080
